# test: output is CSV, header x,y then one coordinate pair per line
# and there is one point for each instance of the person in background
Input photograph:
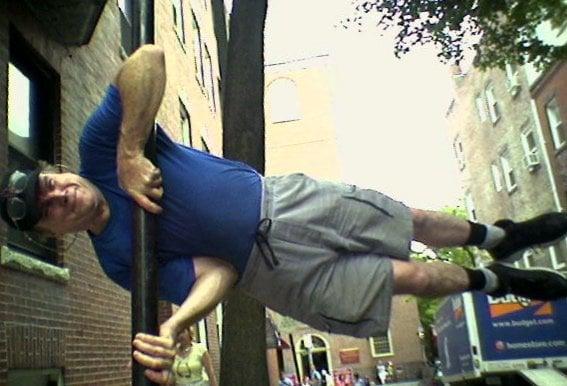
x,y
191,361
284,380
328,378
315,376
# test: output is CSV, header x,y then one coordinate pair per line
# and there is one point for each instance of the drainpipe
x,y
144,264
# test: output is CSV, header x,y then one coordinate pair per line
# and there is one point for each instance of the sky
x,y
390,113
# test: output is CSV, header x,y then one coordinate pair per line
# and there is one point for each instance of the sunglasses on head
x,y
16,207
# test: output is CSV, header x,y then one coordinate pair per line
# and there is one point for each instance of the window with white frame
x,y
459,152
513,78
283,101
481,108
555,123
469,204
220,316
493,107
178,21
529,144
556,261
197,51
496,176
529,258
381,345
202,332
508,171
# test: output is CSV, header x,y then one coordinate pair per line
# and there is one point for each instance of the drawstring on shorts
x,y
261,238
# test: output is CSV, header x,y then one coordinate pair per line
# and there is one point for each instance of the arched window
x,y
283,99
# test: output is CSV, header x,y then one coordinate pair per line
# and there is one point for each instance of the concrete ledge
x,y
23,262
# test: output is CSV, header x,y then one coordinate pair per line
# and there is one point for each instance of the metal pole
x,y
144,264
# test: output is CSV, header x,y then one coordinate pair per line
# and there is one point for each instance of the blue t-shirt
x,y
211,206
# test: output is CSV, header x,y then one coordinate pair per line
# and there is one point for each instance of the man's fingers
x,y
156,363
166,342
160,377
147,204
153,349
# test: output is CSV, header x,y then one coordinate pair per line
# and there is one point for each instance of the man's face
x,y
68,203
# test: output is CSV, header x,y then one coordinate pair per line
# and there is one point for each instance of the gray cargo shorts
x,y
322,254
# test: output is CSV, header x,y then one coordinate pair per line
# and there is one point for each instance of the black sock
x,y
477,279
477,235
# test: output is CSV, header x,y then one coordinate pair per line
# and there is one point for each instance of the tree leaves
x,y
500,31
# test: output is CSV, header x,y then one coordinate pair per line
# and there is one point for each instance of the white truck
x,y
508,341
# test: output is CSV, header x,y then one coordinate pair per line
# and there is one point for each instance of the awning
x,y
69,22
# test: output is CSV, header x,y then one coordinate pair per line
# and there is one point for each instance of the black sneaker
x,y
532,283
538,230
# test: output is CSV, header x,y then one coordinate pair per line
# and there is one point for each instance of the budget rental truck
x,y
502,341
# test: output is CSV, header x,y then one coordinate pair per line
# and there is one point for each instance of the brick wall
x,y
406,347
83,326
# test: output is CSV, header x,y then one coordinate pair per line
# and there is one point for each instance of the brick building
x,y
61,318
301,137
500,150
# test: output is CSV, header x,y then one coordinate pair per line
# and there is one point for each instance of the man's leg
x,y
502,239
432,279
437,279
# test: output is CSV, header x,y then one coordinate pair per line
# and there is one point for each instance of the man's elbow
x,y
151,53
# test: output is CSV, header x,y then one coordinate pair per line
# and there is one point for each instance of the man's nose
x,y
53,195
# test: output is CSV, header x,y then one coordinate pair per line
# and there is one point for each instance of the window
x,y
493,109
220,315
529,144
529,258
284,101
33,121
480,108
209,79
198,51
186,134
381,345
126,25
555,123
555,261
202,332
513,80
37,377
469,204
509,176
178,21
496,176
459,151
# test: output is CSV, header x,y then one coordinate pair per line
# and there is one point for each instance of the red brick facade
x,y
82,325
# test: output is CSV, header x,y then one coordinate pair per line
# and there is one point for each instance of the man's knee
x,y
420,218
410,278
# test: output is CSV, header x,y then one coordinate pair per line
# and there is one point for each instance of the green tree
x,y
504,29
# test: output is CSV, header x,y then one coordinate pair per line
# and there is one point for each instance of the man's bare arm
x,y
214,280
141,82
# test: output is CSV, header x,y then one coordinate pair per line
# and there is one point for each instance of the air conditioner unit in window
x,y
531,161
514,85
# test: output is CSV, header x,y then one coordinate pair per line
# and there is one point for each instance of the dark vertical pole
x,y
144,265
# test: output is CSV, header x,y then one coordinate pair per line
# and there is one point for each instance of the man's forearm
x,y
210,288
141,82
